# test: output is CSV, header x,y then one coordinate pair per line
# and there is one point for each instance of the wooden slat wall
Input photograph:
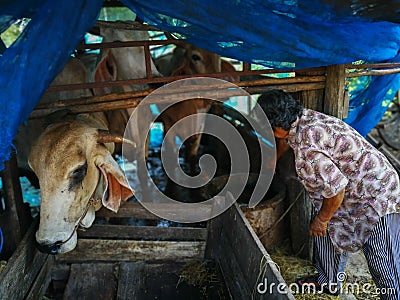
x,y
242,258
16,218
128,250
22,269
42,281
137,211
144,232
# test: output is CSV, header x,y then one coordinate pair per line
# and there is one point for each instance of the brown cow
x,y
190,60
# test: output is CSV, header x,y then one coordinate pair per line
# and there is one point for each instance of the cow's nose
x,y
49,248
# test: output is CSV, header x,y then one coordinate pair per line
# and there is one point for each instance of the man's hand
x,y
318,227
329,206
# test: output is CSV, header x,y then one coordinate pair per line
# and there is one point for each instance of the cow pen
x,y
124,262
145,262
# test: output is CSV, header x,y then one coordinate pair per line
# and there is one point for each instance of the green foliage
x,y
116,13
14,31
355,85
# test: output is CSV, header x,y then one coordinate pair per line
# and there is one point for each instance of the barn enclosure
x,y
135,254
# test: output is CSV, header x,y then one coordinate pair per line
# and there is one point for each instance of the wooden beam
x,y
334,102
144,232
127,250
136,210
42,281
22,268
16,217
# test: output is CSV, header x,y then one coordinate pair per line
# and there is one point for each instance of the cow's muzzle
x,y
54,248
49,248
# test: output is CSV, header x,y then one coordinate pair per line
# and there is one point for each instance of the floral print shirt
x,y
331,156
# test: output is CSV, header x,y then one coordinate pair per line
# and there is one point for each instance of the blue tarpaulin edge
x,y
279,34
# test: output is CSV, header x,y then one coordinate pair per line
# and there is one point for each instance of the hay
x,y
3,264
199,275
292,267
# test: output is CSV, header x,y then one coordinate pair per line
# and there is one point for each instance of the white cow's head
x,y
122,63
74,164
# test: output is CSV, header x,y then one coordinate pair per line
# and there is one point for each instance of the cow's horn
x,y
106,137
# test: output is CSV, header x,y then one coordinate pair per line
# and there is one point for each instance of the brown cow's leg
x,y
192,148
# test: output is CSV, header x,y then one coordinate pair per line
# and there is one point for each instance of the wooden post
x,y
15,218
312,99
335,101
301,212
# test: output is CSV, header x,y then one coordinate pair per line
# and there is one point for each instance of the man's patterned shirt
x,y
331,156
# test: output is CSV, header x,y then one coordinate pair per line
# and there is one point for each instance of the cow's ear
x,y
106,70
183,69
228,67
117,188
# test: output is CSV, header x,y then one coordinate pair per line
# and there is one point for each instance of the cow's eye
x,y
77,176
196,57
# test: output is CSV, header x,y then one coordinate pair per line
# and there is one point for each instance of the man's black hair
x,y
280,107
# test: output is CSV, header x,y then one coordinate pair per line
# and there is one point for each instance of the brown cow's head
x,y
198,61
74,164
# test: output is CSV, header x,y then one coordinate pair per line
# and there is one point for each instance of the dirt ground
x,y
358,283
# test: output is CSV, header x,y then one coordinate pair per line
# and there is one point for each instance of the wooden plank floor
x,y
137,280
131,280
91,281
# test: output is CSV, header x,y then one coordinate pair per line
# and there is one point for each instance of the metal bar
x,y
130,25
169,79
373,73
246,66
377,65
128,44
122,101
147,57
134,94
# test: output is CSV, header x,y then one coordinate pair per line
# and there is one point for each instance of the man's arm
x,y
329,207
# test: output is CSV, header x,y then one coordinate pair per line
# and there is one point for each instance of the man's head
x,y
281,109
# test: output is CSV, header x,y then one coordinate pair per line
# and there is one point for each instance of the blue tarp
x,y
283,34
32,62
291,34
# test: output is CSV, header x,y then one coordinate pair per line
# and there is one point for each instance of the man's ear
x,y
117,188
280,133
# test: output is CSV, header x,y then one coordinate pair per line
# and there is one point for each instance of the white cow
x,y
122,64
72,159
77,174
74,72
